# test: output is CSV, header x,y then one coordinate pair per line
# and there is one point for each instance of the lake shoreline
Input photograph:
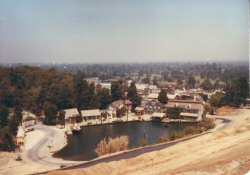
x,y
153,138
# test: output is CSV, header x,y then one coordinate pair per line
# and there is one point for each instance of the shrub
x,y
143,143
164,138
110,145
207,123
6,139
118,121
192,130
176,135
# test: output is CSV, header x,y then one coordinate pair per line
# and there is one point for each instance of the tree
x,y
206,84
104,98
216,100
236,92
50,112
121,111
204,96
83,93
61,118
116,91
163,97
155,81
3,116
78,119
133,96
104,115
165,76
6,139
94,102
174,112
146,80
244,87
191,82
15,120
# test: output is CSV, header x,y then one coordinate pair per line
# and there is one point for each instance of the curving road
x,y
35,154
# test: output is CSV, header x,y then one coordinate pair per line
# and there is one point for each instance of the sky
x,y
80,31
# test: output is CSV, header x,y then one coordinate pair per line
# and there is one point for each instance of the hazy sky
x,y
123,31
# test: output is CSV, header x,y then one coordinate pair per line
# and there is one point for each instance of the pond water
x,y
82,146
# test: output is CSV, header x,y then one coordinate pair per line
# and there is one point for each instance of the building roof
x,y
139,108
71,113
119,103
157,114
186,104
153,95
141,86
186,114
171,96
152,87
154,103
92,112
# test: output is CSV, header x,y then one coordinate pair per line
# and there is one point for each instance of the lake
x,y
82,146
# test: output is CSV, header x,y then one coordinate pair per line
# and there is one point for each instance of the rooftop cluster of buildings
x,y
189,102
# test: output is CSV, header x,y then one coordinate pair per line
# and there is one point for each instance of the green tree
x,y
50,112
146,80
236,92
204,96
191,82
104,115
244,87
83,93
165,76
6,139
61,118
155,81
120,112
216,100
116,91
104,97
94,102
15,120
206,84
3,116
133,96
163,97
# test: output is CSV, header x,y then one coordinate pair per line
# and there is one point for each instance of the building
x,y
158,116
153,89
20,136
28,121
122,103
190,109
153,96
139,111
110,111
92,114
105,85
94,80
154,106
70,115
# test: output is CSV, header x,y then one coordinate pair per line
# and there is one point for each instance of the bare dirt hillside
x,y
221,152
226,110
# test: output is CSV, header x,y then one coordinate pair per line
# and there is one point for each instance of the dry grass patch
x,y
226,110
110,145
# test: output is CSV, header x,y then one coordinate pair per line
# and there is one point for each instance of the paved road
x,y
33,153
